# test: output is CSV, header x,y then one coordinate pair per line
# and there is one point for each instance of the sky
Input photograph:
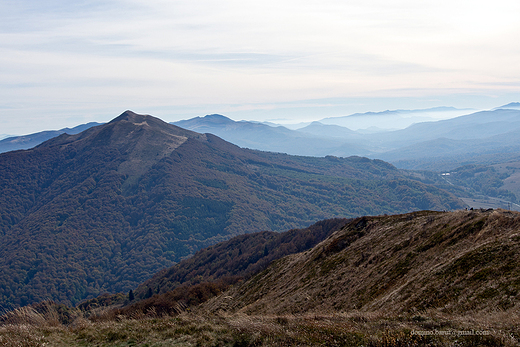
x,y
68,62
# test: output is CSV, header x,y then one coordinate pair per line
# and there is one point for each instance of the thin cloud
x,y
61,56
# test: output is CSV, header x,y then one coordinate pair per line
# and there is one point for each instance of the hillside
x,y
419,279
104,210
212,270
308,142
486,137
12,143
455,262
240,257
394,119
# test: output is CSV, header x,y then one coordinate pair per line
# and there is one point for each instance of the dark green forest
x,y
104,210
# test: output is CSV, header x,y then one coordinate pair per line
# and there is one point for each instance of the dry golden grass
x,y
455,262
340,329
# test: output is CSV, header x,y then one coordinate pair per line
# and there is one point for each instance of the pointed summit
x,y
130,116
127,128
140,140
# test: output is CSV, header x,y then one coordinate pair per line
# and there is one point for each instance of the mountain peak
x,y
138,119
218,118
129,116
142,140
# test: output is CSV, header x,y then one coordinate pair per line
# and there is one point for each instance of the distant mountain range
x,y
12,143
511,105
485,138
273,139
337,132
330,136
434,145
394,119
437,145
105,209
477,134
480,138
488,140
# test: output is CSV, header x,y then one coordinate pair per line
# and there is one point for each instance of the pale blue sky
x,y
63,63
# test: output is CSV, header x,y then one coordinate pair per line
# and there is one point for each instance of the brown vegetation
x,y
27,327
104,210
241,256
455,262
419,279
210,272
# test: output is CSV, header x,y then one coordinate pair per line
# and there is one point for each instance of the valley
x,y
105,209
480,147
138,232
259,174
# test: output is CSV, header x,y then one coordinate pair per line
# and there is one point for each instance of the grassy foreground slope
x,y
31,328
419,279
454,262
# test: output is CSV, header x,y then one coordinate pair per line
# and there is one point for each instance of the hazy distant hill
x,y
394,119
274,139
420,145
12,143
511,105
105,209
326,130
444,145
469,127
457,262
459,152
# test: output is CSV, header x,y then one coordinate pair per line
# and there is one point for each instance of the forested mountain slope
x,y
212,270
240,257
103,210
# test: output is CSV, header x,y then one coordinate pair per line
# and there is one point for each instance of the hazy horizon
x,y
65,64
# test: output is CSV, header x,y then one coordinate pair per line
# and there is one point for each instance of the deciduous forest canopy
x,y
107,208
